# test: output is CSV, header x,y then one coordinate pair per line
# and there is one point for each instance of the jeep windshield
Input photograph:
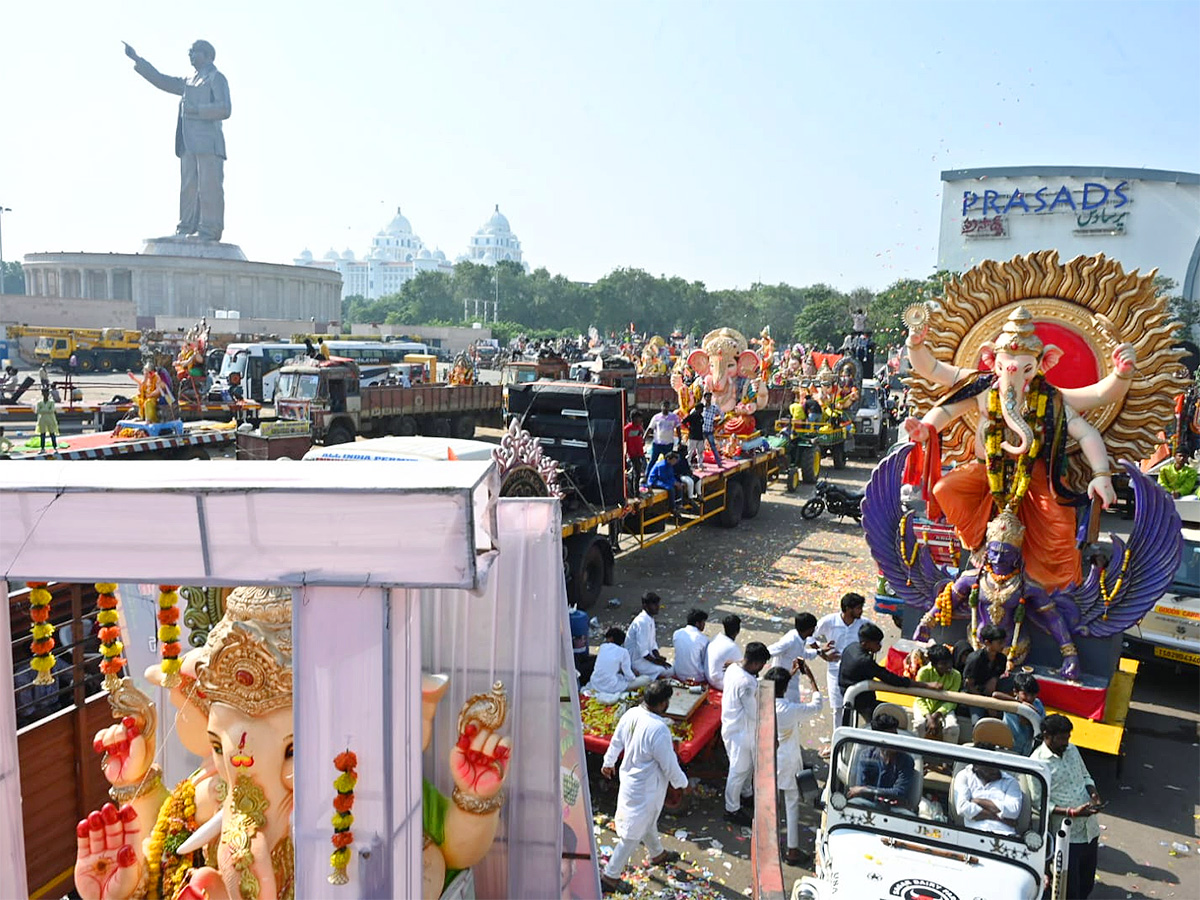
x,y
1187,579
984,802
869,397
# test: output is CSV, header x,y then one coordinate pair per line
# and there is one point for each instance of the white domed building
x,y
396,255
493,242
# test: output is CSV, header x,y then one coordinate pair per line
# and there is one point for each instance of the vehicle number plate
x,y
1178,655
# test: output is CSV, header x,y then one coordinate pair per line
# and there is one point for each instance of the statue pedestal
x,y
193,248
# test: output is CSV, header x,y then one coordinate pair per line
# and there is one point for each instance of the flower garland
x,y
944,606
1108,595
168,633
343,818
42,630
175,824
973,603
1008,492
110,636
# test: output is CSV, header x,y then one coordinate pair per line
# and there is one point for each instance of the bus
x,y
259,363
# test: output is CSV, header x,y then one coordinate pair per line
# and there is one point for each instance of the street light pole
x,y
3,210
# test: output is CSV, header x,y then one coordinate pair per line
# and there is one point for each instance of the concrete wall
x,y
453,338
66,312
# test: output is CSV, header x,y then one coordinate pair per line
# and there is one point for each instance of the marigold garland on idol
x,y
42,630
168,633
109,621
343,818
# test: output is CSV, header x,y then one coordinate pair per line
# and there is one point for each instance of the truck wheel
x,y
585,563
813,508
810,464
407,426
441,428
839,456
106,364
87,362
464,427
735,505
754,492
339,433
793,479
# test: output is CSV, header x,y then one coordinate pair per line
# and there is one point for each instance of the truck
x,y
579,426
94,349
872,421
329,394
1170,632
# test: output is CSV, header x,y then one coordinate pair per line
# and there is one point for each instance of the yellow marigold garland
x,y
944,606
110,635
343,818
175,824
168,633
42,630
1009,495
1110,596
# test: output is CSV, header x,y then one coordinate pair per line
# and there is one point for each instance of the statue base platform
x,y
192,247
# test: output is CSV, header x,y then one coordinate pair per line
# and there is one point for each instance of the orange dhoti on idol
x,y
1051,555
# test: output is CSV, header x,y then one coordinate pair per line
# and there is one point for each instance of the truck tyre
x,y
813,508
754,492
839,456
735,505
585,564
339,433
441,427
793,479
464,427
106,364
87,362
810,464
407,426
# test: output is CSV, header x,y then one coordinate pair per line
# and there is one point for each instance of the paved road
x,y
769,567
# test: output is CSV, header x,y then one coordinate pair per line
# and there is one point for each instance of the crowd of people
x,y
986,798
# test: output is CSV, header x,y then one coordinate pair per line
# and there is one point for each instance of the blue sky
x,y
722,142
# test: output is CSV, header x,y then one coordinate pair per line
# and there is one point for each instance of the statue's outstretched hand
x,y
1125,358
918,431
106,868
128,758
130,52
479,762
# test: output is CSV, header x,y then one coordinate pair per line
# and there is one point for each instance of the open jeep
x,y
923,838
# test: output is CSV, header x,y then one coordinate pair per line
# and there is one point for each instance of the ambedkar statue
x,y
199,143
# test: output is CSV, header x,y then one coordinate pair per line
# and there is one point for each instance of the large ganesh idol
x,y
728,368
1032,444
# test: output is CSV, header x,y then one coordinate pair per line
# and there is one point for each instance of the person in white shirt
x,y
739,718
664,431
841,629
691,648
796,645
613,673
649,766
987,798
789,715
722,651
642,641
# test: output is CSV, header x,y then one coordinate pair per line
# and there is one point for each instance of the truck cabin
x,y
524,371
326,382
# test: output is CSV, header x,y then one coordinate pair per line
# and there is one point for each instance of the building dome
x,y
439,255
497,224
306,255
424,254
332,254
398,225
347,253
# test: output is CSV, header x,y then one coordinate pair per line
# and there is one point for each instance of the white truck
x,y
925,845
1170,632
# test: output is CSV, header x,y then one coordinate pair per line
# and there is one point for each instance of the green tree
x,y
823,316
1182,309
889,304
13,277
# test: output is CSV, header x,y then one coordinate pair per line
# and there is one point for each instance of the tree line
x,y
539,304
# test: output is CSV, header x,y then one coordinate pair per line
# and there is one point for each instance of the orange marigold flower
x,y
346,761
107,601
169,616
343,839
110,633
343,802
41,647
40,613
171,649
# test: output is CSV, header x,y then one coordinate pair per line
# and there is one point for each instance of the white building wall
x,y
1144,218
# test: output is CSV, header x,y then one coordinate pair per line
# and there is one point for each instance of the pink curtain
x,y
12,836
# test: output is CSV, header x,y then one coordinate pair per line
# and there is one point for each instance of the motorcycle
x,y
839,501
